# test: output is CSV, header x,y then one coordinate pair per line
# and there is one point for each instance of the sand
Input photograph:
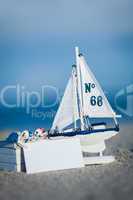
x,y
101,182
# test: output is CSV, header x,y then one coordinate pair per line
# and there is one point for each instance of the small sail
x,y
95,104
68,110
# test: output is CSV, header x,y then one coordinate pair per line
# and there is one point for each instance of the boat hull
x,y
92,141
97,137
95,143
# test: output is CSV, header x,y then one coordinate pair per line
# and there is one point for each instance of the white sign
x,y
53,154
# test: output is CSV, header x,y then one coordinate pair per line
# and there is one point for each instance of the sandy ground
x,y
103,182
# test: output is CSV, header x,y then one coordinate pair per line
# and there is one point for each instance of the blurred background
x,y
37,40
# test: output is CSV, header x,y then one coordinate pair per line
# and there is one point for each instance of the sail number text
x,y
96,101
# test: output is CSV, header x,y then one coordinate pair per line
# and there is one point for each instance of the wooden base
x,y
98,160
54,154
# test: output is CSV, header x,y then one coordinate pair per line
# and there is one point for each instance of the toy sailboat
x,y
84,99
72,131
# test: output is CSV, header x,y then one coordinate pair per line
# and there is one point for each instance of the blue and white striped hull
x,y
92,141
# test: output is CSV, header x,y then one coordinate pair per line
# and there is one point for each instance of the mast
x,y
74,94
79,86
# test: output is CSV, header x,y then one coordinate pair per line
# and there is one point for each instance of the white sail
x,y
68,109
95,104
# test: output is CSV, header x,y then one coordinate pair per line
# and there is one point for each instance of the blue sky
x,y
37,40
